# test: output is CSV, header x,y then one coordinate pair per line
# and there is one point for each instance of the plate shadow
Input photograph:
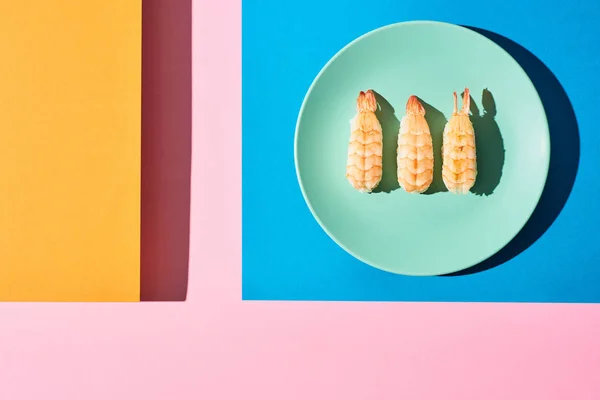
x,y
166,149
564,158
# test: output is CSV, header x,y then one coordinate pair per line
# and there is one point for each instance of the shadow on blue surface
x,y
564,156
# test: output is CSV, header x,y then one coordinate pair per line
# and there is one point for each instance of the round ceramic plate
x,y
436,232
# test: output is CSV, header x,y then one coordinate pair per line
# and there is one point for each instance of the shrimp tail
x,y
466,102
414,106
455,110
366,101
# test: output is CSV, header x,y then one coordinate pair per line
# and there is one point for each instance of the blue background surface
x,y
286,255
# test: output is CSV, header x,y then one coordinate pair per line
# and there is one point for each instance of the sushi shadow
x,y
390,125
489,145
564,159
436,121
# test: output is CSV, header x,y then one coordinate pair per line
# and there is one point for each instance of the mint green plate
x,y
434,233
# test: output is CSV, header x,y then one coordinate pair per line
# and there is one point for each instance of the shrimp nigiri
x,y
459,168
415,149
364,163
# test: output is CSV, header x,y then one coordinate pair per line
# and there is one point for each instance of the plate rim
x,y
546,138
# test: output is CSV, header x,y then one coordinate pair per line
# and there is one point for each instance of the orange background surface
x,y
70,132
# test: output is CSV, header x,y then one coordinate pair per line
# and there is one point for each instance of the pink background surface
x,y
215,347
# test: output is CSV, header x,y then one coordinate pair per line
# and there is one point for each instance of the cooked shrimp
x,y
364,162
415,149
459,168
